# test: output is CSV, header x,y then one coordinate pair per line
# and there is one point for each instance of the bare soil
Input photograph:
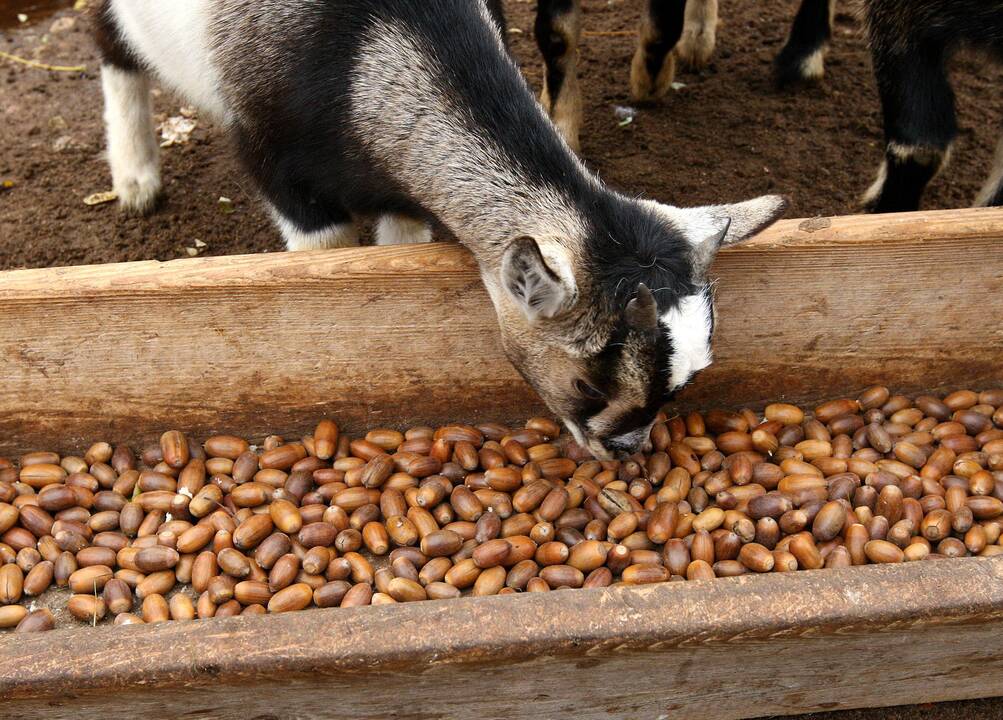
x,y
725,136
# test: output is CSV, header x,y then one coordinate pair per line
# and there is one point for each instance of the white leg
x,y
133,153
400,229
333,236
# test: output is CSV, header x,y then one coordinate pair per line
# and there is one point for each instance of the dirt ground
x,y
726,135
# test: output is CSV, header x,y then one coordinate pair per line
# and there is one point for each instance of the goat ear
x,y
542,285
710,228
748,218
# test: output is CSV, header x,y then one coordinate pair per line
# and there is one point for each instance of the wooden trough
x,y
387,336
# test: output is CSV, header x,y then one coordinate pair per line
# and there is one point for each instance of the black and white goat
x,y
415,112
911,44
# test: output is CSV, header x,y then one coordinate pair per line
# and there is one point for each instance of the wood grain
x,y
709,650
254,344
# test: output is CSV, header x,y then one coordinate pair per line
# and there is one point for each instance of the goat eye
x,y
588,391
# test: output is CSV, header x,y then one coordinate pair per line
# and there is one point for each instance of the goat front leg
x,y
133,153
919,119
558,30
699,33
654,66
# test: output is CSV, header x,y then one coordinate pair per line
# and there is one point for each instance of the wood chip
x,y
99,198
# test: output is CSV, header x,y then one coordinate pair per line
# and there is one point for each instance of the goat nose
x,y
620,450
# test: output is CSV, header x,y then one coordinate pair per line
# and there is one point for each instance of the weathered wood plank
x,y
714,650
406,334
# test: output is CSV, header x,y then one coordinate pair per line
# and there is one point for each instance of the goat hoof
x,y
791,71
138,195
643,87
694,50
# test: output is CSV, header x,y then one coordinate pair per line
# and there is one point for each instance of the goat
x,y
910,46
416,112
911,43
